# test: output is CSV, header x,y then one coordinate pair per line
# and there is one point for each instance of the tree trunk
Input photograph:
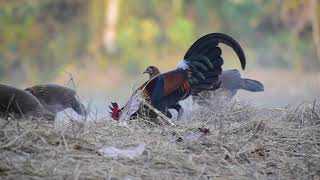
x,y
95,24
315,26
111,20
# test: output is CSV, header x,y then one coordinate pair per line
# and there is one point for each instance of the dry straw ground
x,y
243,142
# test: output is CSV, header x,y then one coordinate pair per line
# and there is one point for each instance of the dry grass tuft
x,y
243,142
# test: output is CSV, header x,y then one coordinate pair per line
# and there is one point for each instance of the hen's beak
x,y
145,72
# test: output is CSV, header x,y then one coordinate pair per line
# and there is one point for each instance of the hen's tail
x,y
251,85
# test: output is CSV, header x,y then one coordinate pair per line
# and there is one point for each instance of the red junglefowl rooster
x,y
19,104
56,98
199,70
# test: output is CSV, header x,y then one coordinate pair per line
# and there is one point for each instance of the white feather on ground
x,y
116,152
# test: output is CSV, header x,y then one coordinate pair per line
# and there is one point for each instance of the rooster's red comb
x,y
115,111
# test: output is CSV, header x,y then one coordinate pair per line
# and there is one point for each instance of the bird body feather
x,y
20,103
56,98
231,83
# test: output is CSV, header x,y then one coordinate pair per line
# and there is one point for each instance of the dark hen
x,y
19,103
56,98
231,83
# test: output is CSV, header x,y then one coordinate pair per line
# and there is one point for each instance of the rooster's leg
x,y
180,111
168,114
163,109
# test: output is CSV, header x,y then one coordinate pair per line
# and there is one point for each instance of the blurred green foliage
x,y
38,38
181,32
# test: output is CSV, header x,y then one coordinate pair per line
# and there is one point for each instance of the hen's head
x,y
152,71
115,111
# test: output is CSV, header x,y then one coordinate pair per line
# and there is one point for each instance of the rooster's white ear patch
x,y
182,65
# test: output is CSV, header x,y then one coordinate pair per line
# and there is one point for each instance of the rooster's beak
x,y
145,72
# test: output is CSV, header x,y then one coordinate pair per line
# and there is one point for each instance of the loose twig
x,y
161,115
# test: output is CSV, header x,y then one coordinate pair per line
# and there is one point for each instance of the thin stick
x,y
165,118
84,119
314,104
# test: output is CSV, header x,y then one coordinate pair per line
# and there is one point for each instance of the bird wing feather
x,y
167,83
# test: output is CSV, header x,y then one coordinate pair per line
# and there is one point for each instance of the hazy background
x,y
106,44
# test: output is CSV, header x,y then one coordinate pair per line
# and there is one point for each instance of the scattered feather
x,y
193,136
131,107
116,152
